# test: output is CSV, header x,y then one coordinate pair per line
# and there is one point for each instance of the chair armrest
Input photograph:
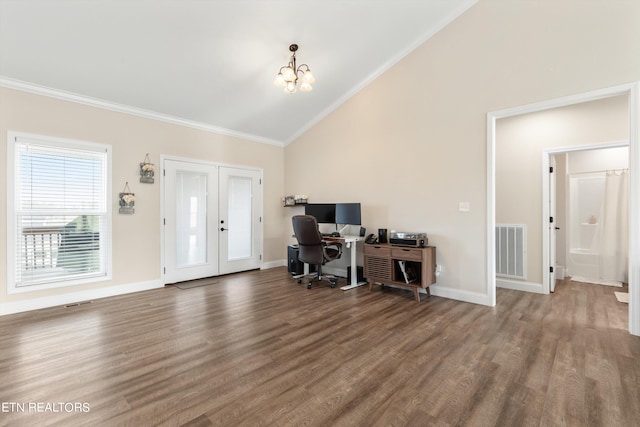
x,y
332,245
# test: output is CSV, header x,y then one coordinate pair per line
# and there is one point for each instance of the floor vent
x,y
511,251
76,304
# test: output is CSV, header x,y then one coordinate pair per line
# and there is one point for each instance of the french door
x,y
190,215
240,219
212,220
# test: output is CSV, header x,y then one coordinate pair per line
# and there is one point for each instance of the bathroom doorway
x,y
594,240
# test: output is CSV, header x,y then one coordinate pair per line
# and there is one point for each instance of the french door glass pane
x,y
191,224
239,241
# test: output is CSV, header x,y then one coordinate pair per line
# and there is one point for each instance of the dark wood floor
x,y
258,349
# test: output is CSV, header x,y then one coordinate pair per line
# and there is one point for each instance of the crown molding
x,y
121,108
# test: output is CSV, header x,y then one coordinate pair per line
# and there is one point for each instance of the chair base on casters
x,y
333,280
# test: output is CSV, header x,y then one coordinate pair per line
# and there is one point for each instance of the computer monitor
x,y
348,213
325,213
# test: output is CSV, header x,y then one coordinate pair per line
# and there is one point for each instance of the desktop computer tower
x,y
296,267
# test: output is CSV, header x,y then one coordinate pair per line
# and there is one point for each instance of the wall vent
x,y
511,251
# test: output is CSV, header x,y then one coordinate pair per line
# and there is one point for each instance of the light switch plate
x,y
464,207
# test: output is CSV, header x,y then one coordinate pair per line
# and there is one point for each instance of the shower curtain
x,y
615,220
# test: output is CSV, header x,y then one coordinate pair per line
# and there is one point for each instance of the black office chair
x,y
313,250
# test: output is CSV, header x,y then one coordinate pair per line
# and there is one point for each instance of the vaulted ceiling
x,y
211,63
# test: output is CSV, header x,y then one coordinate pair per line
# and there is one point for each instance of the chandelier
x,y
289,74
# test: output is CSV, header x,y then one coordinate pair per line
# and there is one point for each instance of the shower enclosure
x,y
597,227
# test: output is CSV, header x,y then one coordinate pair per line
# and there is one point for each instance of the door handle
x,y
557,228
222,229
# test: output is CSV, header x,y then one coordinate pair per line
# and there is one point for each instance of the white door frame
x,y
164,157
549,178
632,90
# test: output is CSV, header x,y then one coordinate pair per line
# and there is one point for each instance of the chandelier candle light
x,y
288,75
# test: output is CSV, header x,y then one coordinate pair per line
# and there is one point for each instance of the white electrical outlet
x,y
464,207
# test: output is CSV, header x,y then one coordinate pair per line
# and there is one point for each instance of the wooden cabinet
x,y
412,268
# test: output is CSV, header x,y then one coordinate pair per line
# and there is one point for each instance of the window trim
x,y
12,139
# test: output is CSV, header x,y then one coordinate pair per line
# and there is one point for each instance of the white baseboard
x,y
459,295
536,288
455,294
274,264
73,297
439,291
482,299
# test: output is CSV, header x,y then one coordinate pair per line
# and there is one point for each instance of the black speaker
x,y
382,235
362,231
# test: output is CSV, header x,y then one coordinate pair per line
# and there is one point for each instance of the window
x,y
59,222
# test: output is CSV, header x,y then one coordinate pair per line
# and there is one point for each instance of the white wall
x,y
598,160
136,238
520,141
410,146
418,133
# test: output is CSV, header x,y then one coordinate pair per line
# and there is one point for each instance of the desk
x,y
350,242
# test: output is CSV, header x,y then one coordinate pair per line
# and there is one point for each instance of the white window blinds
x,y
60,211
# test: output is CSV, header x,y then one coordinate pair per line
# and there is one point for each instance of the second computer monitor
x,y
348,213
325,213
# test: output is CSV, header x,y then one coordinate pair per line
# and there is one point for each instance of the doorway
x,y
632,91
211,219
591,225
